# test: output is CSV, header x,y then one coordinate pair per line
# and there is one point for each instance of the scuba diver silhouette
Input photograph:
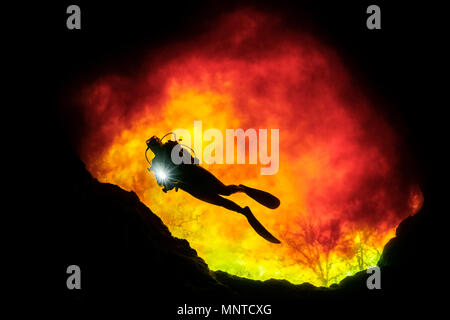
x,y
201,184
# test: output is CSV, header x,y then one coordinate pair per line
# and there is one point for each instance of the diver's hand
x,y
168,187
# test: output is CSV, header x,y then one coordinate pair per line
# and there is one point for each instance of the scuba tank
x,y
194,159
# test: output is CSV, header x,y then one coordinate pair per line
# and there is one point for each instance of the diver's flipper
x,y
264,198
258,227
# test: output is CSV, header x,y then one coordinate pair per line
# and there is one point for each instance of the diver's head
x,y
155,144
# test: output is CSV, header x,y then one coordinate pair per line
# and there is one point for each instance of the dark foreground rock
x,y
129,259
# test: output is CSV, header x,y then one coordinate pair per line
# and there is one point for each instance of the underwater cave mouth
x,y
341,180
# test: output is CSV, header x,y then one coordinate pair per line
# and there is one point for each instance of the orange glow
x,y
340,182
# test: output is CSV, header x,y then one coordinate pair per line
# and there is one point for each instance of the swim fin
x,y
258,227
264,198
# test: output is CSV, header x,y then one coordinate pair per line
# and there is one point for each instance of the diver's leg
x,y
217,200
263,197
230,189
230,205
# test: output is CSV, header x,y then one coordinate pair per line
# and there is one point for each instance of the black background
x,y
400,67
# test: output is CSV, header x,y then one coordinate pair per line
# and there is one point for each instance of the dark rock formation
x,y
129,258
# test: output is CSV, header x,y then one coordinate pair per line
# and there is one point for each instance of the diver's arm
x,y
170,185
